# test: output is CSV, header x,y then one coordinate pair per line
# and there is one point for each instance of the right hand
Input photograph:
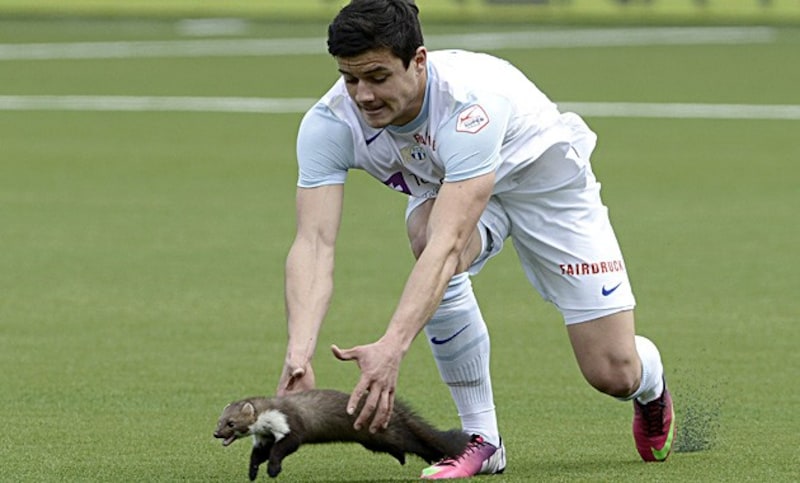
x,y
379,364
295,378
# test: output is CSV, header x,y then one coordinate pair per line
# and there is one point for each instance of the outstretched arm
x,y
452,221
309,280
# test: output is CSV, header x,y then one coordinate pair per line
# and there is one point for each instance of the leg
x,y
614,360
569,252
259,455
280,450
626,366
459,341
606,353
417,226
391,449
458,336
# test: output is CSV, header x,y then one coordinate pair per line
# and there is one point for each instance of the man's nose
x,y
364,93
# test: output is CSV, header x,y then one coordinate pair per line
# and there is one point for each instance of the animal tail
x,y
433,444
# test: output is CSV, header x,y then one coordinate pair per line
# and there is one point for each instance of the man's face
x,y
385,91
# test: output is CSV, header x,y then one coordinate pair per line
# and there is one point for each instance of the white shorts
x,y
553,213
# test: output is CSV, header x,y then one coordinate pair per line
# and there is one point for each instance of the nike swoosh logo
x,y
609,291
369,140
661,454
445,341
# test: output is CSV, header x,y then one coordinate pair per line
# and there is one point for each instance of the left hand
x,y
379,363
295,378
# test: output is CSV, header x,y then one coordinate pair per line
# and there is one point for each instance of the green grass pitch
x,y
141,268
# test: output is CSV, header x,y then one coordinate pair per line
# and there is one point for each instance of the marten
x,y
279,425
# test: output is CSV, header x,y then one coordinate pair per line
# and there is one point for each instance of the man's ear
x,y
420,60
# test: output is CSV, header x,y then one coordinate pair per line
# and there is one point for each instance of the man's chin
x,y
377,120
377,125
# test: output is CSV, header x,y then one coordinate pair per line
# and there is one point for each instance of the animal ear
x,y
249,410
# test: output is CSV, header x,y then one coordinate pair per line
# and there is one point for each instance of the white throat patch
x,y
271,421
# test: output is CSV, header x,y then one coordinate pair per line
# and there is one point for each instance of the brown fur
x,y
319,416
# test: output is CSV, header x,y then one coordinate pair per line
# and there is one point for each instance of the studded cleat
x,y
654,427
480,457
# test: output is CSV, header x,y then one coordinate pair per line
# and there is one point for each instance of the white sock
x,y
459,341
652,384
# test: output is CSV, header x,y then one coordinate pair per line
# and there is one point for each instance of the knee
x,y
617,376
418,241
417,228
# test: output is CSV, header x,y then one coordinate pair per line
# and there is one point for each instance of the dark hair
x,y
364,25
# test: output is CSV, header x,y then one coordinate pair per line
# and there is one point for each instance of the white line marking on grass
x,y
208,27
684,110
176,48
478,41
149,103
607,38
260,105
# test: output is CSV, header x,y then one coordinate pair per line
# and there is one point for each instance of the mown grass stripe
x,y
571,38
298,105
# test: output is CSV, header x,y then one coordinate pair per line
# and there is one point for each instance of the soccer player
x,y
483,156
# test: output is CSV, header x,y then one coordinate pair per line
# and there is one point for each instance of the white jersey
x,y
480,114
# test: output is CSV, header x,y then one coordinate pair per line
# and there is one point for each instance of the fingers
x,y
390,410
343,355
373,387
383,412
368,410
377,408
360,390
295,379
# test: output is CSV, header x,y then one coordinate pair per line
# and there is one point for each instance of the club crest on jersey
x,y
472,119
418,153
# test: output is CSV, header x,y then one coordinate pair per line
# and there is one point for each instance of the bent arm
x,y
309,275
452,221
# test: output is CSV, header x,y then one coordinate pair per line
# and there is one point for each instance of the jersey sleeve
x,y
324,149
471,139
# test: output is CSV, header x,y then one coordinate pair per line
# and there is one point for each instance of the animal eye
x,y
230,424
